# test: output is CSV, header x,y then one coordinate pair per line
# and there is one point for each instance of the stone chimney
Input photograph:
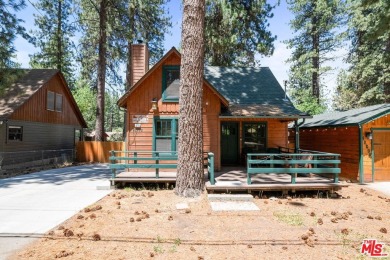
x,y
139,61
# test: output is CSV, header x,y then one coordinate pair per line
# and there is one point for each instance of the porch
x,y
264,172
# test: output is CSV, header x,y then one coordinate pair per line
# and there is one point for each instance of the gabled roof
x,y
24,87
251,92
356,116
173,51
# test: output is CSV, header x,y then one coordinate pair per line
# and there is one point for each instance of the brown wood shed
x,y
361,136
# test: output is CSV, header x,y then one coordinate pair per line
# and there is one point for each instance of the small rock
x,y
362,190
265,202
257,197
118,203
137,213
273,198
151,254
92,216
311,230
320,221
61,228
170,218
192,249
349,213
284,248
138,219
312,214
96,237
86,210
304,237
68,233
333,213
200,258
370,217
378,218
156,210
280,202
188,211
80,217
289,198
383,230
249,246
309,242
334,220
131,219
345,231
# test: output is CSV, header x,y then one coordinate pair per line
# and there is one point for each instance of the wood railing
x,y
293,164
120,160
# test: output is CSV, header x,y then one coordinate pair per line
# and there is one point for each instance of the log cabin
x,y
245,110
39,118
361,136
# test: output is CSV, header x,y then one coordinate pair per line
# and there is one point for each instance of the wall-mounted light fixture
x,y
154,104
368,135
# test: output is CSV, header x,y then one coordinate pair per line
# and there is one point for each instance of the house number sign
x,y
140,119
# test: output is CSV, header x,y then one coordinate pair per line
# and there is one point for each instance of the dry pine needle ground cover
x,y
145,224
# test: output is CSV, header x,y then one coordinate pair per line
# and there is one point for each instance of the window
x,y
58,102
15,133
54,101
171,83
254,137
166,131
50,100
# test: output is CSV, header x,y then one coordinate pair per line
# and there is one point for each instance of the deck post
x,y
157,169
135,156
248,180
336,175
210,168
293,175
113,171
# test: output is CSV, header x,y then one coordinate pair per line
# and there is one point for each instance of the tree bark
x,y
59,36
190,170
315,60
101,73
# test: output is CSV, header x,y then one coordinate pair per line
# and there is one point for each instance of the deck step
x,y
230,197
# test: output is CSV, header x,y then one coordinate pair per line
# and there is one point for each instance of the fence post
x,y
248,180
157,162
210,168
336,175
113,161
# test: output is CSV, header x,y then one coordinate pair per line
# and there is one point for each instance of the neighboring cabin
x,y
37,113
361,136
244,109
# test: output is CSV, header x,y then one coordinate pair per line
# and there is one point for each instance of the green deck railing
x,y
120,160
157,160
293,164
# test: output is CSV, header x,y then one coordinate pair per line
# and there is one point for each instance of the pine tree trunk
x,y
315,60
101,73
190,171
59,36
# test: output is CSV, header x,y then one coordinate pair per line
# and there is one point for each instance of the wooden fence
x,y
95,151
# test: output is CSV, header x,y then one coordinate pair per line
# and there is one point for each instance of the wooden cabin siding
x,y
37,137
341,140
383,173
35,108
139,103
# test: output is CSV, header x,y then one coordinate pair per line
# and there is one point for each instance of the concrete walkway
x,y
380,186
31,205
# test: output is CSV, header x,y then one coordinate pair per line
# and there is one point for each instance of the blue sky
x,y
279,25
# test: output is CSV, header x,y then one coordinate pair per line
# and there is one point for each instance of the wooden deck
x,y
235,179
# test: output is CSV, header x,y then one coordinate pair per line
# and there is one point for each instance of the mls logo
x,y
372,248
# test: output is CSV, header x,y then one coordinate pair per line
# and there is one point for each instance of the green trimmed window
x,y
255,137
171,83
165,134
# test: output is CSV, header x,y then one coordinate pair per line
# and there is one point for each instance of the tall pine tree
x,y
315,26
56,27
235,31
10,27
369,54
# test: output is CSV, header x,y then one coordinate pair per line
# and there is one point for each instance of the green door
x,y
229,143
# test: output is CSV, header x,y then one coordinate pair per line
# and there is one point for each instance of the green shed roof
x,y
251,92
351,117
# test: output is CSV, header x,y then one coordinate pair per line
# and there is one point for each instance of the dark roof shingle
x,y
22,89
251,92
351,117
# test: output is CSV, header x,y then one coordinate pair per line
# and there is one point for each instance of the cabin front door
x,y
229,143
381,158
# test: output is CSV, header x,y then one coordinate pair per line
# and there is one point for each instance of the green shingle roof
x,y
351,117
251,92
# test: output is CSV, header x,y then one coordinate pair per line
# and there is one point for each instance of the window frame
x,y
265,138
165,69
53,103
56,107
21,133
173,136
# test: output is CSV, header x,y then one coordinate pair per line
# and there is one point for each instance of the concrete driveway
x,y
31,205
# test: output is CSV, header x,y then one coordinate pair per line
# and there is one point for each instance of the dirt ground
x,y
145,224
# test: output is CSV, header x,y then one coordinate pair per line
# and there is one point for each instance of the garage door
x,y
381,141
